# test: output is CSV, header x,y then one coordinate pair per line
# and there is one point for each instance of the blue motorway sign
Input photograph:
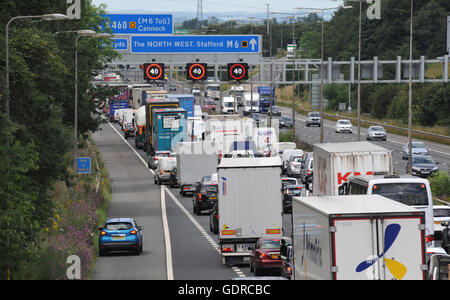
x,y
83,165
140,24
197,44
120,44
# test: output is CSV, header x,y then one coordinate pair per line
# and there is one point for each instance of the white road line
x,y
168,247
166,236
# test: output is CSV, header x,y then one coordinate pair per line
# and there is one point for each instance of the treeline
x,y
386,38
36,139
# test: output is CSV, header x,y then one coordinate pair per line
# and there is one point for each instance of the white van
x,y
409,190
228,106
163,169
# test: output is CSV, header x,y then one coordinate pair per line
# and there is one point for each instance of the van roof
x,y
388,178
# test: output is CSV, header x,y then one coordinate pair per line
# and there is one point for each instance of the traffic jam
x,y
222,148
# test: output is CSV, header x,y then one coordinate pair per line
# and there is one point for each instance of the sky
x,y
173,6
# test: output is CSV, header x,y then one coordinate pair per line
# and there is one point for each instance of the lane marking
x,y
166,236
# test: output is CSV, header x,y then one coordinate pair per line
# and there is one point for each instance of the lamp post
x,y
80,33
410,92
46,17
321,61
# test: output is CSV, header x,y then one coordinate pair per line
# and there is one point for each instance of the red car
x,y
209,105
266,256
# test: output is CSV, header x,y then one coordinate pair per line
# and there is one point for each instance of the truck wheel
x,y
216,230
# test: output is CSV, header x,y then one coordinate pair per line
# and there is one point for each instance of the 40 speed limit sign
x,y
153,71
196,71
237,71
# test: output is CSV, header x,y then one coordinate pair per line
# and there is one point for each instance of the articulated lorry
x,y
169,127
249,205
362,237
150,105
266,98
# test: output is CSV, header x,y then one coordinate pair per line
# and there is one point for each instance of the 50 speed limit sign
x,y
237,71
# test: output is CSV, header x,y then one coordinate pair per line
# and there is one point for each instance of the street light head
x,y
101,34
54,17
85,32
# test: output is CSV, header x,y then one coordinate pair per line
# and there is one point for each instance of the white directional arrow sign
x,y
253,43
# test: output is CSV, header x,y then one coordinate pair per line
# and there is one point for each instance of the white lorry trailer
x,y
194,160
334,163
249,205
357,237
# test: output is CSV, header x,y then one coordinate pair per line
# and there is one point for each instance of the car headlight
x,y
435,168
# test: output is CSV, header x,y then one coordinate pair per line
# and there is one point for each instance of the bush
x,y
440,185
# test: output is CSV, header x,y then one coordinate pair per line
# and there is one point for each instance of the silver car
x,y
313,118
418,148
294,165
376,132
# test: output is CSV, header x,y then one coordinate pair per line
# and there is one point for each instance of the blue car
x,y
119,235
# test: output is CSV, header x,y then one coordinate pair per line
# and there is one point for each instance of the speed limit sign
x,y
237,71
153,71
196,71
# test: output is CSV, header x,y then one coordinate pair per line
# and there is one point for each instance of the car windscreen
x,y
441,213
407,193
344,122
295,191
211,188
270,244
162,154
377,128
418,145
290,182
314,115
119,226
422,160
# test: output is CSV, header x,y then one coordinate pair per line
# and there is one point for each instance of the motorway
x,y
177,243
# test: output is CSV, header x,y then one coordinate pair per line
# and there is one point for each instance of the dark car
x,y
286,256
423,165
289,192
257,117
214,218
173,180
120,234
276,111
265,256
205,196
285,122
173,87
